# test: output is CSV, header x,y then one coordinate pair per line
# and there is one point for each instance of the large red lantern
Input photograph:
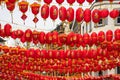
x,y
80,1
70,14
45,11
28,35
70,1
101,36
59,1
79,15
35,10
42,38
90,1
96,16
109,35
87,15
117,34
7,29
23,7
48,1
114,13
104,13
94,37
62,13
53,12
19,33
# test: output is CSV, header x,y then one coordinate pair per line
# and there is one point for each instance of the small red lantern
x,y
70,14
109,35
35,35
104,13
55,37
86,38
23,7
59,1
87,15
96,16
70,38
28,35
53,12
70,1
80,40
114,13
22,39
79,15
48,38
19,33
94,37
101,36
42,38
62,13
90,1
62,38
80,1
48,1
117,34
7,29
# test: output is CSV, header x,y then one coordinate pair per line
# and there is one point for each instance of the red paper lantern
x,y
47,1
22,39
19,33
42,38
28,35
80,1
53,12
45,11
101,36
48,38
104,13
80,39
109,35
70,1
35,8
62,13
94,37
90,1
114,13
35,35
12,1
86,38
23,6
55,37
62,38
13,35
70,14
96,16
87,15
79,15
70,38
10,6
7,29
59,1
117,34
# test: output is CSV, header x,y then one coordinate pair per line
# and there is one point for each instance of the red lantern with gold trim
x,y
7,30
22,39
101,36
79,14
42,37
35,35
80,1
62,13
55,37
80,40
70,14
23,7
48,1
87,15
114,13
90,1
96,16
28,35
86,38
109,35
53,12
62,38
49,38
104,13
70,1
94,37
59,1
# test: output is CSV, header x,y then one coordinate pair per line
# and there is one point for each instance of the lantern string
x,y
11,17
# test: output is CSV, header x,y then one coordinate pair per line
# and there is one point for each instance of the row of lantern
x,y
21,63
71,39
68,1
53,11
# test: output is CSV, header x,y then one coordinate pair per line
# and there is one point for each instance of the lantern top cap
x,y
35,4
23,2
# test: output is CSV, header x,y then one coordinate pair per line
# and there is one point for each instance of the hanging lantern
x,y
48,38
101,36
87,15
55,37
104,13
35,10
70,1
10,7
19,33
28,35
109,35
53,13
12,1
62,13
117,34
94,37
8,30
62,38
114,13
80,1
59,1
69,38
86,38
96,16
42,38
23,7
35,36
90,1
45,11
70,14
48,1
13,35
79,15
80,40
22,39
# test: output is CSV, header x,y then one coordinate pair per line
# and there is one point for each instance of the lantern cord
x,y
11,17
24,22
35,25
44,22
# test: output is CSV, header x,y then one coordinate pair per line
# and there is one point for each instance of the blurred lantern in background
x,y
23,7
8,30
45,12
35,7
